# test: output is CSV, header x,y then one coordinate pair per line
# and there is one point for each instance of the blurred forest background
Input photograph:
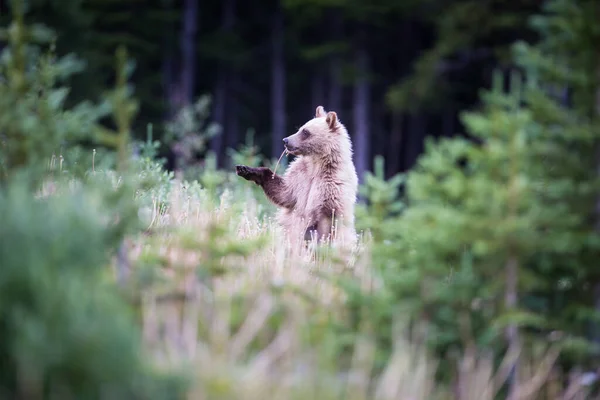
x,y
394,71
135,264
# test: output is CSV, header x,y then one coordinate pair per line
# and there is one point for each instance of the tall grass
x,y
224,298
248,318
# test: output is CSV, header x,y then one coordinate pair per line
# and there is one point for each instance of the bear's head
x,y
323,135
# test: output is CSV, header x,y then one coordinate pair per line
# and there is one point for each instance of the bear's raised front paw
x,y
248,173
242,170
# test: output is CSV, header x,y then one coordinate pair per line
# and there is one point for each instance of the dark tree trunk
x,y
361,109
169,79
222,91
318,88
416,136
278,109
377,134
233,128
220,101
169,85
394,155
335,87
512,333
448,122
334,101
188,49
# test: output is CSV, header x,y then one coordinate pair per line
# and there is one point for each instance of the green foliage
x,y
468,31
380,216
34,123
563,99
497,205
152,181
188,133
149,148
104,25
124,109
65,334
479,211
66,331
566,56
489,210
472,213
248,153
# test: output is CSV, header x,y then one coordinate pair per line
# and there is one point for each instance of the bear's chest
x,y
309,195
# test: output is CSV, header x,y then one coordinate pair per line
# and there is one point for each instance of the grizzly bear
x,y
317,192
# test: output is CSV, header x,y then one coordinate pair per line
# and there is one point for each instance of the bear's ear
x,y
320,112
331,120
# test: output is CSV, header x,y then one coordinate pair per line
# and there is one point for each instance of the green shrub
x,y
66,333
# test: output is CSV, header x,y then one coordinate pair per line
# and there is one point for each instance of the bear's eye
x,y
305,133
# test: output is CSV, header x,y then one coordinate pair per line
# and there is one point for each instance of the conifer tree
x,y
65,332
497,240
565,102
34,122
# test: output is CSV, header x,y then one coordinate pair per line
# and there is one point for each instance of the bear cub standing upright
x,y
318,190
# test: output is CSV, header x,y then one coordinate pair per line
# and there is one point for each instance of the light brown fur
x,y
318,190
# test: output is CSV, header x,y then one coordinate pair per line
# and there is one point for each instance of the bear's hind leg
x,y
309,232
324,229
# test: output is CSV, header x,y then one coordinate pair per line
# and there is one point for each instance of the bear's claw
x,y
241,170
245,172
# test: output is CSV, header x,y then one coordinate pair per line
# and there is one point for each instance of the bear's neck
x,y
332,161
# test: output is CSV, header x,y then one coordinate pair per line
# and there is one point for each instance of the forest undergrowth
x,y
221,300
472,277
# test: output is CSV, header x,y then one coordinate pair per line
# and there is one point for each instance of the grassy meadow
x,y
221,301
472,279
